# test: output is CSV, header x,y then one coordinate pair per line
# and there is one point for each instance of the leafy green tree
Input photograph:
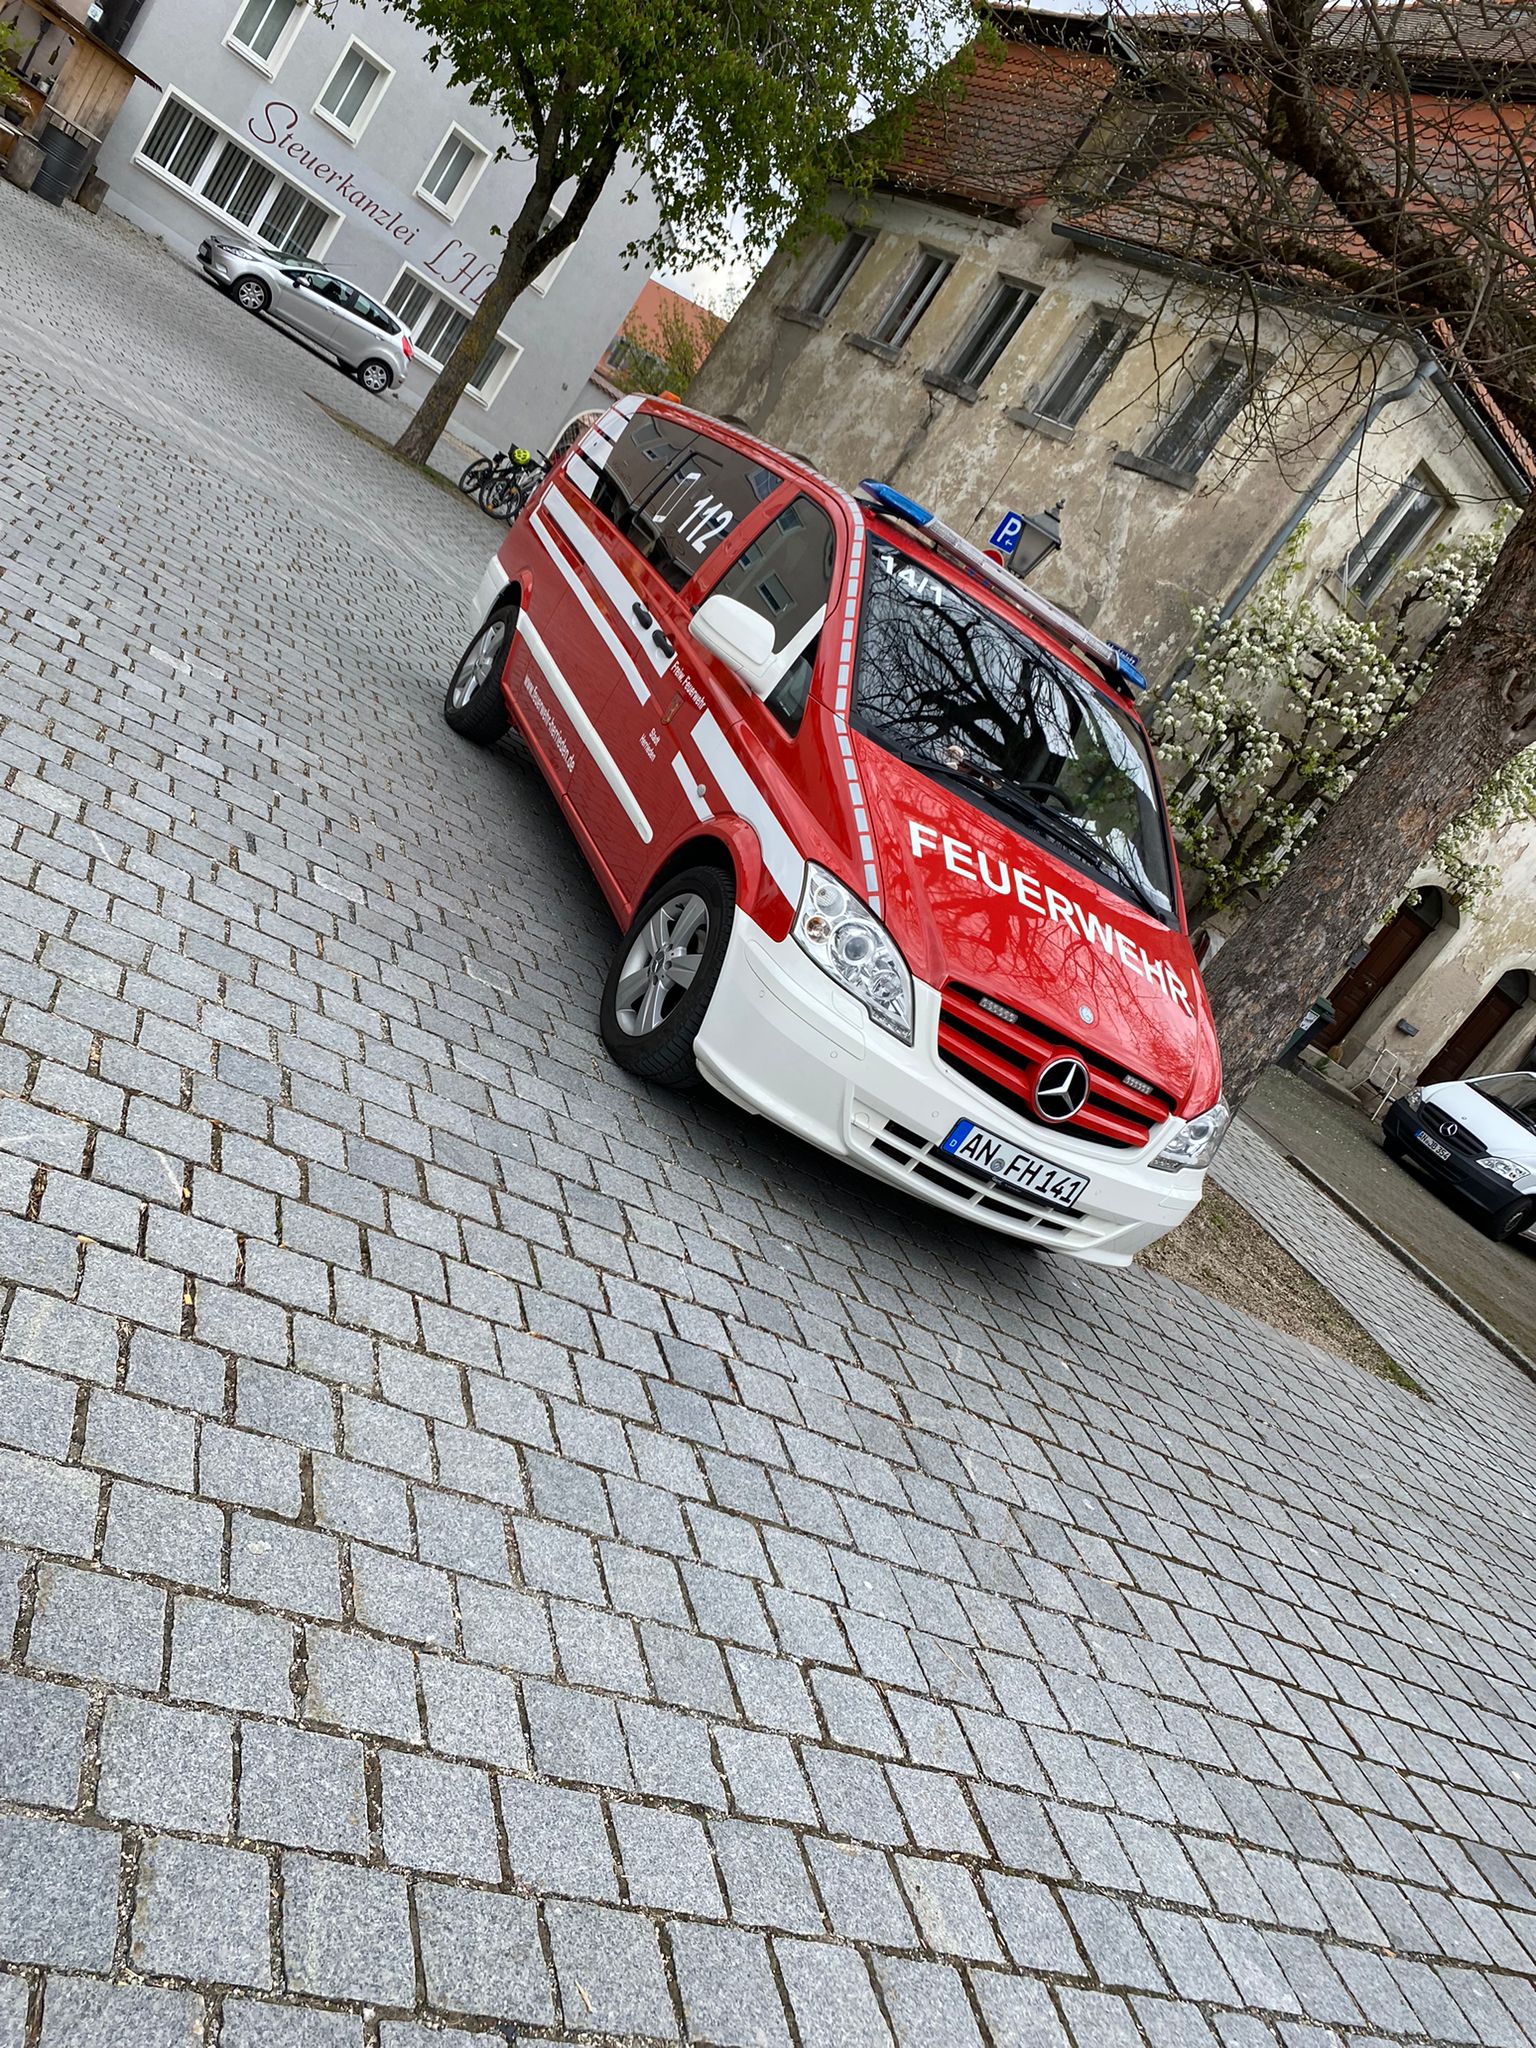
x,y
667,353
734,117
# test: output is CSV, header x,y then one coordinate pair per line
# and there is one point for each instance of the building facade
x,y
969,340
323,130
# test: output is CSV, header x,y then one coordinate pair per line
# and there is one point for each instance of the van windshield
x,y
954,691
1515,1093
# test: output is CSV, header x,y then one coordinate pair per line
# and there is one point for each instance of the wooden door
x,y
1478,1031
1390,951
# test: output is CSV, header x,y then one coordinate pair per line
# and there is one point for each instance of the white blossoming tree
x,y
1282,705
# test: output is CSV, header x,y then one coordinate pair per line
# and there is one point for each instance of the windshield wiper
x,y
1075,834
1031,800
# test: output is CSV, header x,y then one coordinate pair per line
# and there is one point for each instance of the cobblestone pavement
x,y
495,1551
1411,1322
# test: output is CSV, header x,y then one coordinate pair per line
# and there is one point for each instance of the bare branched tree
x,y
1376,164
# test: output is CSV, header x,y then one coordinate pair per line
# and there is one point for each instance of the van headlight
x,y
1196,1144
847,941
1506,1169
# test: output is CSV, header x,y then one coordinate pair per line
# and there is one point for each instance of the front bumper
x,y
217,262
784,1041
1462,1173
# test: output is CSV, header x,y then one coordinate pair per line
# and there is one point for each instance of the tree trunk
x,y
514,274
1479,711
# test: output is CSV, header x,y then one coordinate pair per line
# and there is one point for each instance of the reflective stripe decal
x,y
607,766
781,857
691,787
842,693
615,585
581,474
596,447
609,638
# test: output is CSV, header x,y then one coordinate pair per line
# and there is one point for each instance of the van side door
x,y
601,642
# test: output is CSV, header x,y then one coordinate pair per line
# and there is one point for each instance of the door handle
x,y
660,639
638,611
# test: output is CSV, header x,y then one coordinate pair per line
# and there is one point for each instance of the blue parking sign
x,y
1006,537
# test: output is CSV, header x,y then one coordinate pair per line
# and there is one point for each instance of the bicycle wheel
x,y
475,475
490,486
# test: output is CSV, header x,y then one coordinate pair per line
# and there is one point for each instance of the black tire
x,y
664,1051
250,294
375,375
476,475
1509,1221
474,705
491,488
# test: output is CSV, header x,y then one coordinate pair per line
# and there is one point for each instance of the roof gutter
x,y
1147,258
1492,449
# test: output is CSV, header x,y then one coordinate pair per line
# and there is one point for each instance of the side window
x,y
785,576
646,454
706,498
675,495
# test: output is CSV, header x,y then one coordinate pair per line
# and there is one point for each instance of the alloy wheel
x,y
480,663
661,964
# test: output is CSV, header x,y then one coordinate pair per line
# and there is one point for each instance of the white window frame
x,y
267,66
144,163
513,349
552,270
375,93
454,206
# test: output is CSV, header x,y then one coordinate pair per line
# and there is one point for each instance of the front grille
x,y
1436,1121
1002,1059
921,1159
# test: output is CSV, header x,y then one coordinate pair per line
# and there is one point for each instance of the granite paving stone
x,y
610,1969
488,1543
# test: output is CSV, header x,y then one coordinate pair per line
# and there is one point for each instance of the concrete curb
x,y
1431,1280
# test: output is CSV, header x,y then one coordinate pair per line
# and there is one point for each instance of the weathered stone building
x,y
985,348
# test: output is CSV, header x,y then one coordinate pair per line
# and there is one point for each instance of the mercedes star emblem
x,y
1449,1129
1061,1089
1085,1013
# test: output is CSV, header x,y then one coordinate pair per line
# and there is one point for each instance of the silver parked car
x,y
364,337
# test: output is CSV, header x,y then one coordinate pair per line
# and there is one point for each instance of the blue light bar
x,y
897,503
1116,666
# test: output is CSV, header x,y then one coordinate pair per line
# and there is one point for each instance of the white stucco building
x,y
323,129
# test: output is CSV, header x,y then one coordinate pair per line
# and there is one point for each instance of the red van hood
x,y
969,900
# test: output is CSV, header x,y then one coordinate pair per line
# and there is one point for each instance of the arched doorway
x,y
1472,1037
1385,958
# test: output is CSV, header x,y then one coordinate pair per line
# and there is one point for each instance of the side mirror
x,y
741,638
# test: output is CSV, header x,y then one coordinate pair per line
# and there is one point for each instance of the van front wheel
x,y
664,974
474,705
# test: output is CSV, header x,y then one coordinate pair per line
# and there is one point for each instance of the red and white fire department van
x,y
881,827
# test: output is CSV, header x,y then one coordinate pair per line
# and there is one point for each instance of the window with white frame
x,y
264,30
552,269
452,173
437,326
1399,531
833,276
912,297
353,91
228,179
997,320
1086,369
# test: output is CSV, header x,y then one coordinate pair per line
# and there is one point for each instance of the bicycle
x,y
512,483
478,472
